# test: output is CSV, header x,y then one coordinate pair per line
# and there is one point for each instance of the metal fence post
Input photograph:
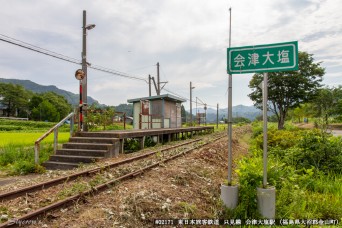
x,y
71,126
36,153
55,140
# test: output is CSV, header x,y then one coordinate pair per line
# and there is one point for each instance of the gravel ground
x,y
188,187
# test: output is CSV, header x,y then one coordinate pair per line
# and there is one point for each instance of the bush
x,y
131,145
305,168
10,128
28,126
149,142
321,151
23,167
20,160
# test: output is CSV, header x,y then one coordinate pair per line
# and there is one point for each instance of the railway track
x,y
44,185
64,191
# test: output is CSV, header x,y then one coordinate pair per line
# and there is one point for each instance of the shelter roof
x,y
167,97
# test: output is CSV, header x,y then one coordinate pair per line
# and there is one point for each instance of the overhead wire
x,y
118,73
187,99
75,61
65,58
43,52
36,47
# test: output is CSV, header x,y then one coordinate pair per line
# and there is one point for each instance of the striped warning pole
x,y
81,108
79,75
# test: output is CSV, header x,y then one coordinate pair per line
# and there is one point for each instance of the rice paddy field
x,y
27,139
17,138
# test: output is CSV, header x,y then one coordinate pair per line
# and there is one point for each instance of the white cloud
x,y
188,38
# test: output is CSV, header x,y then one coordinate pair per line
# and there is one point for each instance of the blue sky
x,y
188,39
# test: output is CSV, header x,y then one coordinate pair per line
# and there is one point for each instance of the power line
x,y
48,53
176,94
56,55
194,102
65,58
34,46
201,101
118,73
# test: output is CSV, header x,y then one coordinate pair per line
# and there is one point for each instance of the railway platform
x,y
87,147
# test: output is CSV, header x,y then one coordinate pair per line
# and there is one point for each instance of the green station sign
x,y
263,58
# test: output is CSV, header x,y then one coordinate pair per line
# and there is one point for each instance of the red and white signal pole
x,y
79,75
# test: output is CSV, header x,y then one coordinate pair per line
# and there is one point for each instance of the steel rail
x,y
20,192
94,190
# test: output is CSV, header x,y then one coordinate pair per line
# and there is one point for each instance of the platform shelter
x,y
162,111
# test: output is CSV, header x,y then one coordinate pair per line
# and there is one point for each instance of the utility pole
x,y
191,103
196,113
85,27
155,85
217,116
158,80
205,110
149,86
83,82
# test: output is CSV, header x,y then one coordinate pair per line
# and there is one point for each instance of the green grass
x,y
17,151
221,127
28,138
17,140
27,126
318,197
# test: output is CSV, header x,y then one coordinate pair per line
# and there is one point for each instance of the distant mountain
x,y
72,98
249,112
127,108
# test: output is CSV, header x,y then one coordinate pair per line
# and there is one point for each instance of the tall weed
x,y
19,160
305,168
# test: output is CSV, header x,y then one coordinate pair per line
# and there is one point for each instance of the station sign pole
x,y
264,109
229,192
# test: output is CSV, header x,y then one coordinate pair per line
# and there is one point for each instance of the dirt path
x,y
188,187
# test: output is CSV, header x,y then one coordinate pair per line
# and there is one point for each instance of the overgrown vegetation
x,y
17,145
99,119
28,126
305,166
19,160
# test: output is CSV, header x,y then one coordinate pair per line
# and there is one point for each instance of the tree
x,y
46,112
15,97
337,93
35,101
289,89
328,103
127,108
183,114
61,104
